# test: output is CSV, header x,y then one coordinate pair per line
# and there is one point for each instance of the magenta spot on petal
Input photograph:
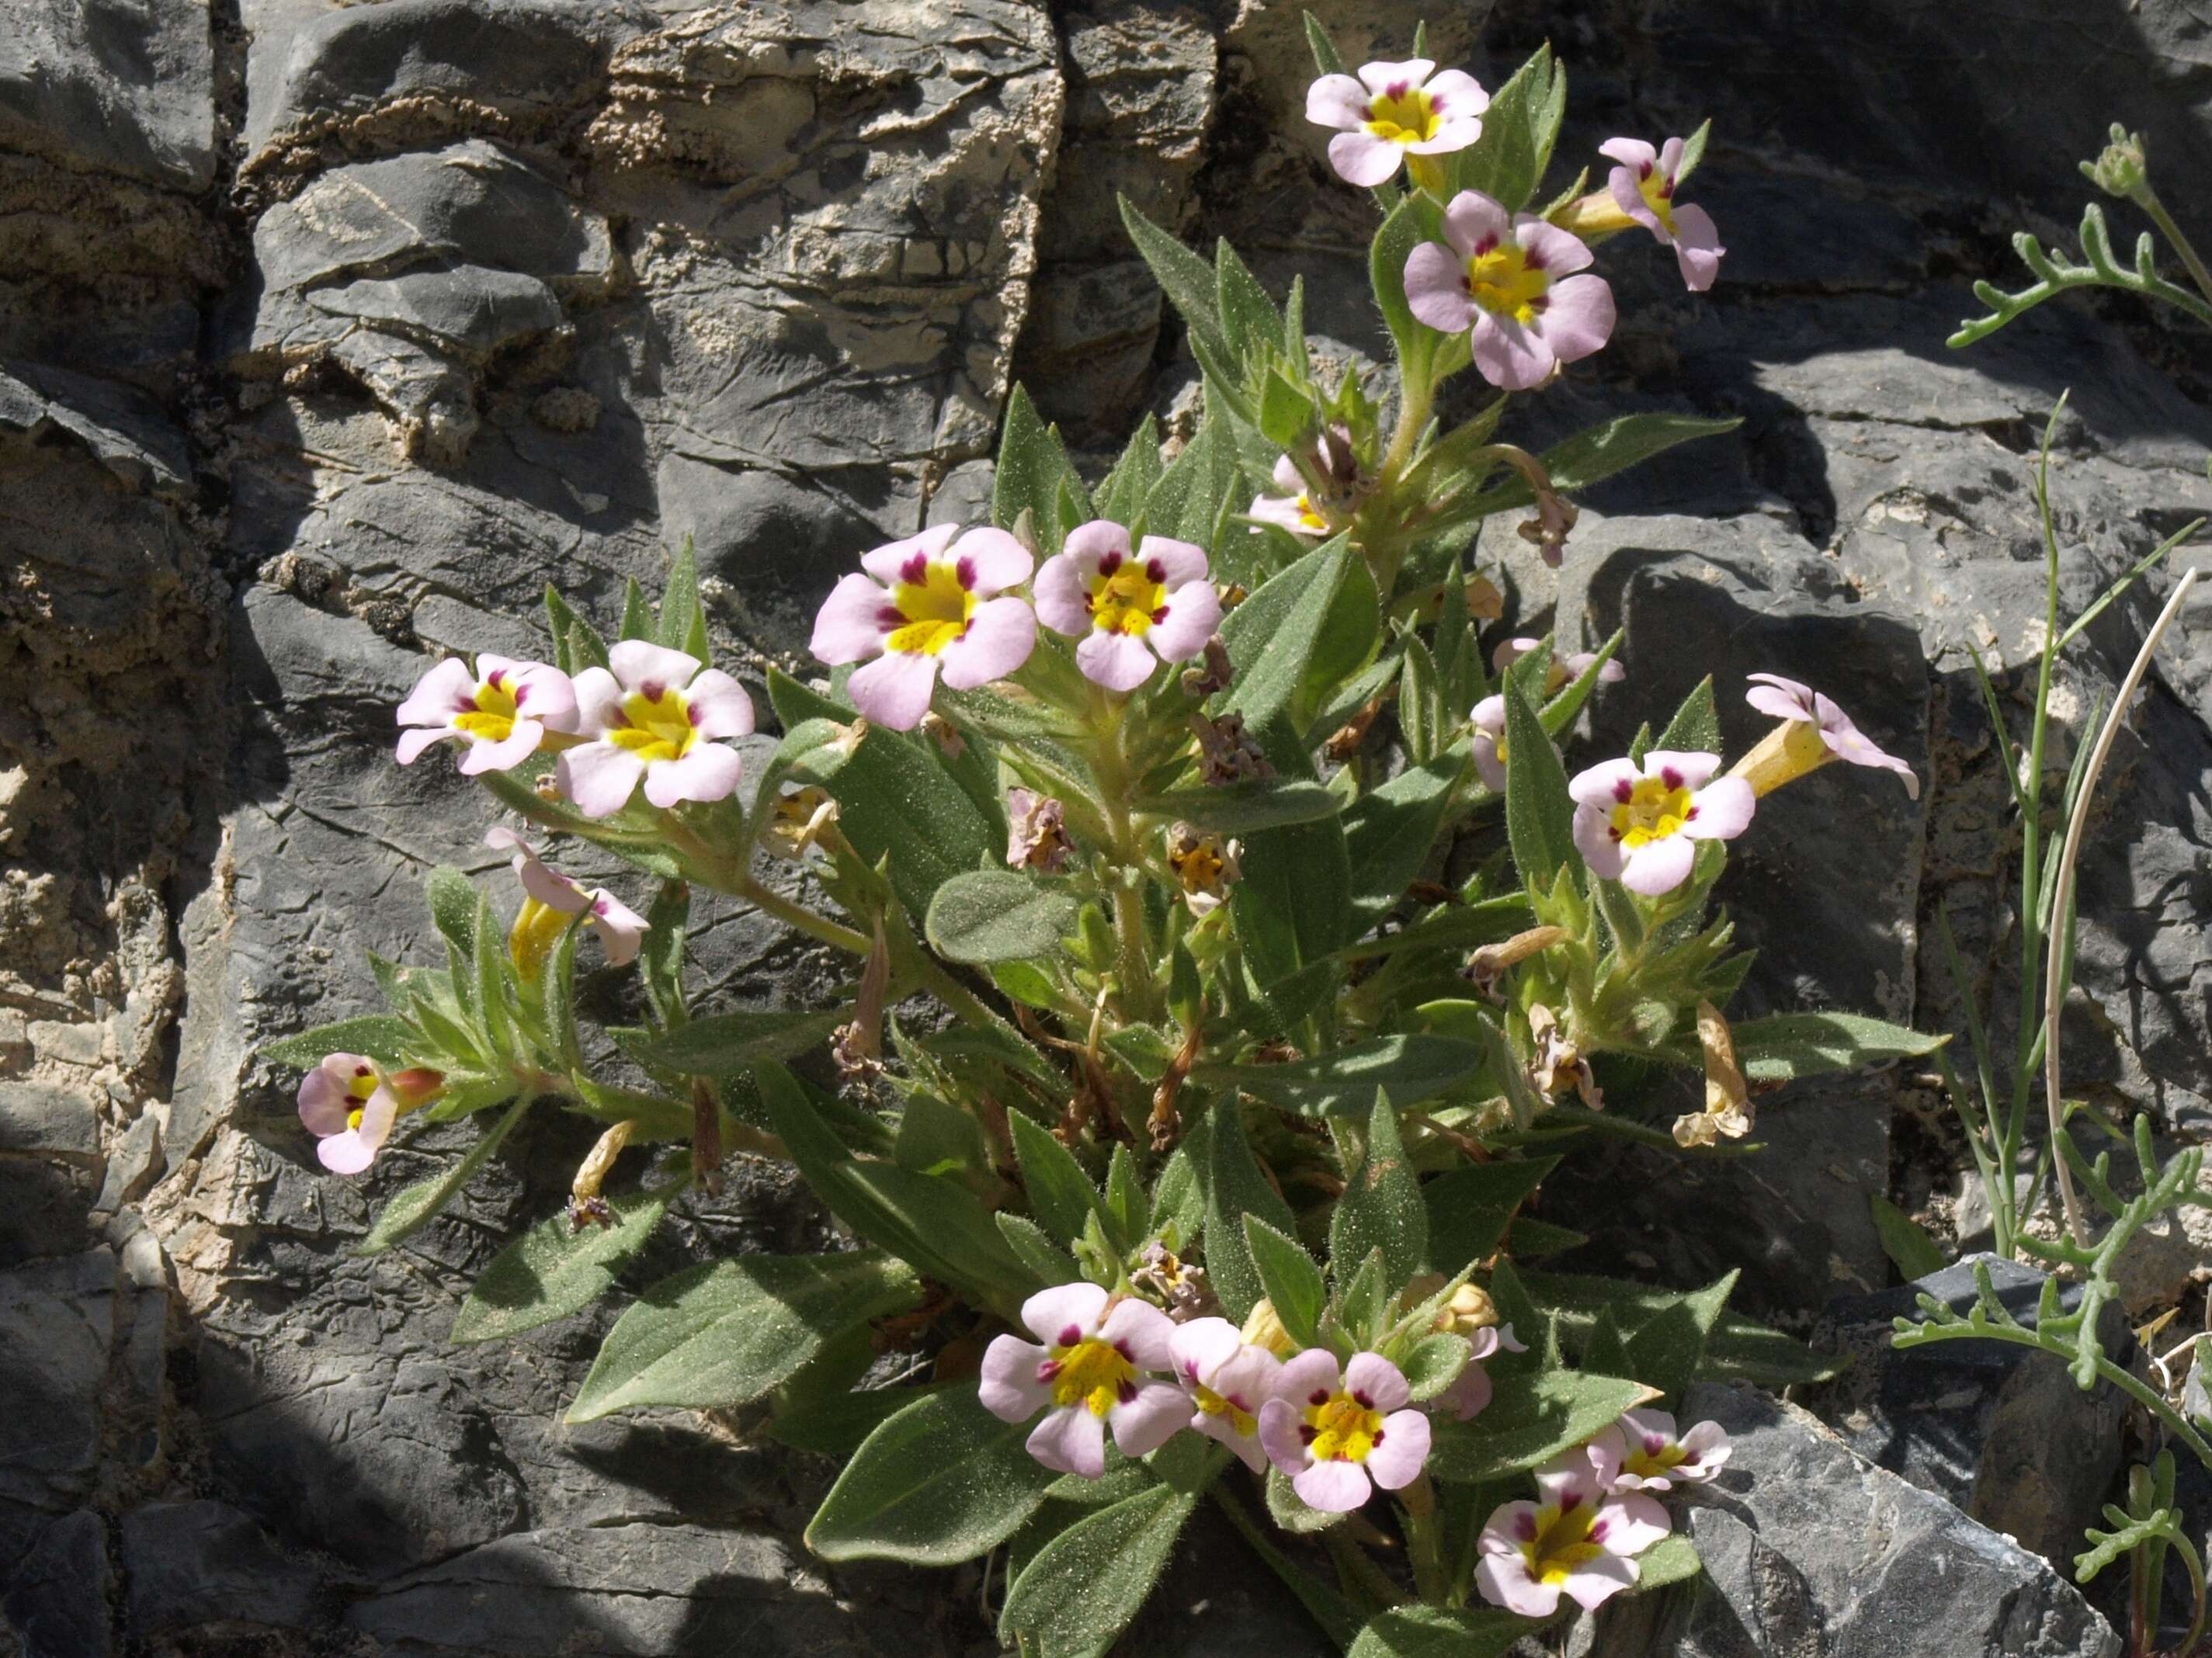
x,y
1614,833
1524,1527
1306,1434
1643,169
521,695
1667,190
1108,562
1670,777
1570,1502
691,713
1127,1391
1598,1529
651,691
1319,1396
1048,1370
1485,246
1190,1369
1156,570
1360,1397
1653,1443
890,617
1690,814
915,568
1122,1348
1237,1399
1070,1336
1378,1436
1532,259
364,1071
1400,88
965,569
1160,615
495,677
1624,790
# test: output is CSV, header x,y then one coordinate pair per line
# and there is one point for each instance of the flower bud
x,y
1470,1309
1263,1328
2123,168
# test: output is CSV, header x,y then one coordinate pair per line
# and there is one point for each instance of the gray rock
x,y
1808,1548
2000,1430
128,432
57,1603
56,1333
40,1117
119,86
189,1565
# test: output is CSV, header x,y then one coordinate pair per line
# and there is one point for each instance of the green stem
x,y
1133,955
2147,199
799,918
1424,1542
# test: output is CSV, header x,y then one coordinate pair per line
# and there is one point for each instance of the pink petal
x,y
549,887
1473,220
850,626
1779,698
1670,159
478,756
640,662
1197,1349
1593,834
1724,809
439,694
885,563
1159,1412
1376,1382
1648,1424
1051,1314
1457,92
545,693
893,690
597,779
1333,1487
598,701
720,707
622,930
1247,1446
1375,77
1312,1372
1608,1450
1620,184
1487,765
1281,511
1009,1387
1508,1524
1336,100
1071,1440
1698,250
1404,1446
1632,153
1468,1396
709,772
346,1153
1249,1377
326,1093
1658,866
1489,716
1286,477
1690,766
1573,1473
1063,592
1593,1583
1279,1435
1709,1448
1087,543
1436,288
1600,786
1000,635
1120,662
1142,1332
1453,133
1559,252
1580,318
1361,158
1194,611
1631,1523
412,742
995,560
1512,357
1504,1581
1178,561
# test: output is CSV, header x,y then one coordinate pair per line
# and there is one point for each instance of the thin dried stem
x,y
2062,894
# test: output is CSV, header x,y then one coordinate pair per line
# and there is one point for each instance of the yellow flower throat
x,y
1091,1373
1653,811
1561,1543
1341,1430
657,725
1502,281
1126,597
1214,1404
930,612
493,711
1403,115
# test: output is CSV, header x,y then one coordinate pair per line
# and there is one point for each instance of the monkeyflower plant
x,y
1182,1113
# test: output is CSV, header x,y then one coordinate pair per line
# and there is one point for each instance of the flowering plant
x,y
1153,787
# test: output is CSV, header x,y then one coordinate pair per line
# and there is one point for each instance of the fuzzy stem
x,y
2147,198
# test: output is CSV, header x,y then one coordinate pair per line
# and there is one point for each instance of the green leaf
x,y
1414,1068
683,623
576,644
495,972
1530,1419
453,898
1518,132
1785,1046
413,1208
1178,1195
661,961
1470,1208
1277,638
1197,482
1240,808
1289,1277
1062,1195
1121,497
1187,279
637,615
556,997
1028,1240
1696,726
1390,830
1033,465
1540,814
999,915
1693,151
1381,1206
553,1270
390,1042
1668,1351
1325,58
1670,1560
1249,322
839,1424
724,1044
1440,1632
1235,1187
941,1482
1904,1241
1289,1510
724,1332
1402,230
1081,1589
931,1222
1738,1349
1365,1302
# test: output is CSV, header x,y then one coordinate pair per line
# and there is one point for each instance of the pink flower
x,y
1643,187
501,712
1229,1381
1785,699
349,1107
1337,1440
1507,276
924,607
1127,609
621,929
1091,1372
1577,1538
651,714
1639,824
1470,1391
1563,670
1394,111
1291,508
1489,716
1650,1457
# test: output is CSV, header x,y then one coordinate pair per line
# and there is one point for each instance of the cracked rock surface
x,y
331,333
